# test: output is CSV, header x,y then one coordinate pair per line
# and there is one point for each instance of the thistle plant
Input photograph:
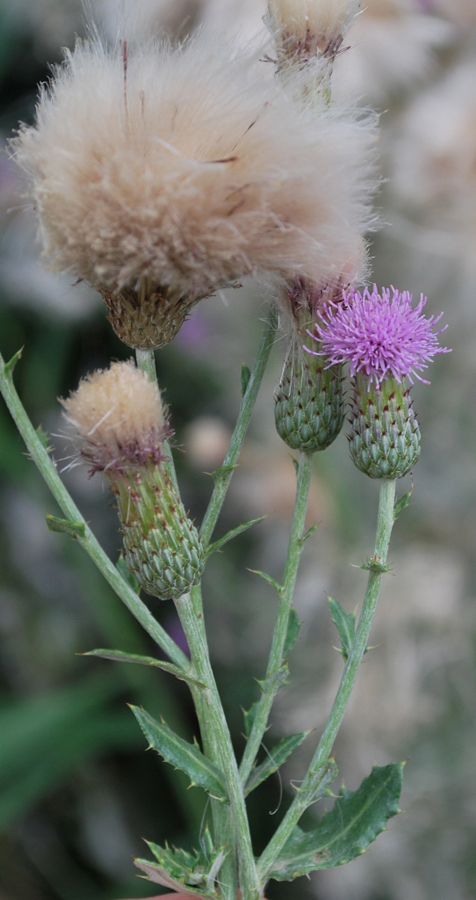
x,y
161,176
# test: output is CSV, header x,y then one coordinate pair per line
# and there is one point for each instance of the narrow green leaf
x,y
64,526
345,624
276,757
182,755
249,717
120,656
44,438
245,378
346,831
274,682
310,531
271,581
292,635
402,504
127,575
295,463
10,365
222,472
319,782
215,547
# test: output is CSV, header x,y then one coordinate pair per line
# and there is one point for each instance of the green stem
x,y
224,476
276,658
220,746
146,363
82,533
306,795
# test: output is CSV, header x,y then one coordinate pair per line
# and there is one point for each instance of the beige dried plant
x,y
162,175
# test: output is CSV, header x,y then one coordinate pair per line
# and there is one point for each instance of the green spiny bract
x,y
162,545
385,439
309,410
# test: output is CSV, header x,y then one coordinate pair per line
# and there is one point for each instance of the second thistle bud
x,y
385,439
309,401
119,419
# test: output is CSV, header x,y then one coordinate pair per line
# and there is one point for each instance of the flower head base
x,y
119,421
380,335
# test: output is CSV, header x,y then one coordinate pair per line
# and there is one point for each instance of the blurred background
x,y
77,790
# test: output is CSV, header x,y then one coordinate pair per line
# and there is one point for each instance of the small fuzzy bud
x,y
385,341
309,29
119,421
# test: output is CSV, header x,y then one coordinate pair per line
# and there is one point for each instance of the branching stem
x,y
307,792
276,659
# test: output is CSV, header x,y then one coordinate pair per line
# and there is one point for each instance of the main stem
x,y
377,566
219,740
85,536
224,476
276,657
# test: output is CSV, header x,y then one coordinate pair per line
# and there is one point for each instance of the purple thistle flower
x,y
380,335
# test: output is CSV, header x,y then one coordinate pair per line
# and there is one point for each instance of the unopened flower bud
x,y
385,341
119,421
308,29
309,401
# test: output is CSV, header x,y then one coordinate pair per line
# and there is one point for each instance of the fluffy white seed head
x,y
117,418
315,25
187,170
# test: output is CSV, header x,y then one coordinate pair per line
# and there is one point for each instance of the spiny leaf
x,y
271,581
274,682
44,439
245,378
345,624
64,526
222,472
179,753
276,757
190,873
402,504
120,656
310,531
346,831
292,635
10,365
318,782
215,547
249,717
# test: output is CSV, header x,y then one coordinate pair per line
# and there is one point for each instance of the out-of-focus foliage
x,y
77,790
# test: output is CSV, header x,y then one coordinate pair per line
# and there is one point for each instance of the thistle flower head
x,y
118,418
380,334
161,175
311,27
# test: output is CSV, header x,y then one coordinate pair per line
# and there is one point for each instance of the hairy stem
x,y
224,476
306,795
220,748
82,533
276,658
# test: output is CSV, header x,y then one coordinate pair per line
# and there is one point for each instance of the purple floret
x,y
380,335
